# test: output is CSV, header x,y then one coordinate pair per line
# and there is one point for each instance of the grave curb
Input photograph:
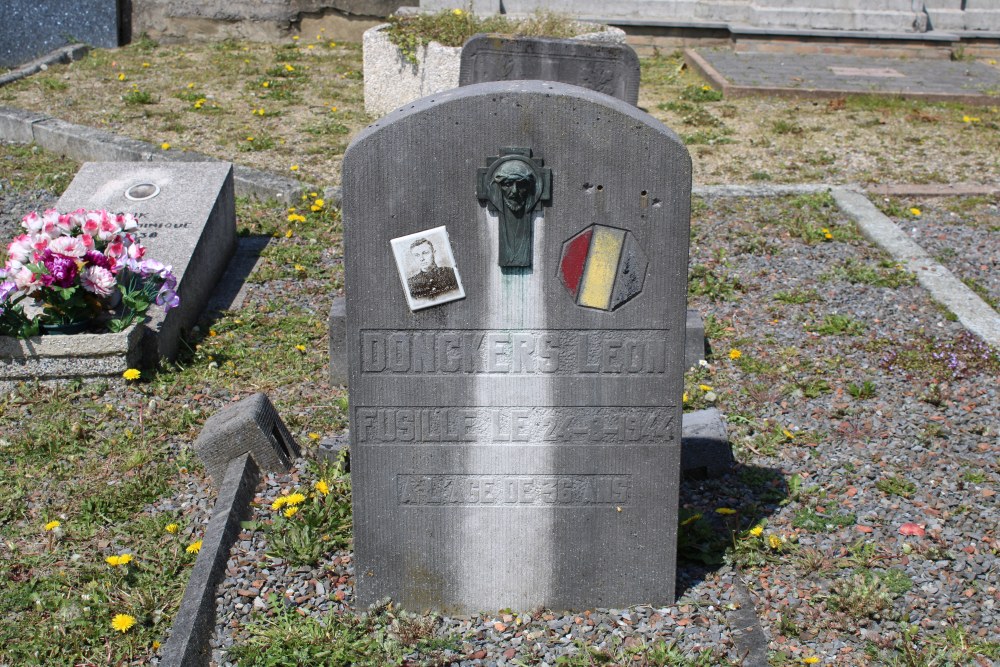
x,y
91,145
194,624
974,314
64,54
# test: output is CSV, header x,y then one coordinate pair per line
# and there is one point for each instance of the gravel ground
x,y
962,234
877,502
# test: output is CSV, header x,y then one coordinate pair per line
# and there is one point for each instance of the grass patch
x,y
811,519
886,273
896,486
704,281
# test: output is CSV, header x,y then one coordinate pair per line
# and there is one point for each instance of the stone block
x,y
694,339
29,28
338,343
508,445
85,143
50,357
189,224
705,448
612,69
249,426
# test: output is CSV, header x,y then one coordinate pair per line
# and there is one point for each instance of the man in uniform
x,y
432,280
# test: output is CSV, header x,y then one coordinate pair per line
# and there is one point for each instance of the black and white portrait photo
x,y
427,268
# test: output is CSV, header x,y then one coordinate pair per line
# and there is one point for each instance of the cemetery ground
x,y
862,517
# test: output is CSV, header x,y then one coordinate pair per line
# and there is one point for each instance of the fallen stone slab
x,y
188,643
251,426
64,54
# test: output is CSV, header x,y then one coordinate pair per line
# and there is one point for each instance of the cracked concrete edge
x,y
974,313
709,191
748,634
92,145
188,643
63,54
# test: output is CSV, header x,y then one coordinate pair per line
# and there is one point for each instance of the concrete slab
x,y
824,75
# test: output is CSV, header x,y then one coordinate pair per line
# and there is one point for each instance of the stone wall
x,y
259,20
894,16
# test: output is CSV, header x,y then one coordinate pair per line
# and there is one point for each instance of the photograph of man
x,y
427,268
432,280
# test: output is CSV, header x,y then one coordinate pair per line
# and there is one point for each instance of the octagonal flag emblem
x,y
602,267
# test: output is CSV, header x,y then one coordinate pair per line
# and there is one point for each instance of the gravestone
x,y
515,395
31,28
612,69
187,219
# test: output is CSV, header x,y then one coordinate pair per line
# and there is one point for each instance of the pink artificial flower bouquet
x,y
83,266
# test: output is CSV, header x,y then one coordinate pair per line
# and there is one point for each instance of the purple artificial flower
x,y
167,299
6,289
95,258
62,270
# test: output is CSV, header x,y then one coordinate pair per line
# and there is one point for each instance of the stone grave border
x,y
87,144
191,630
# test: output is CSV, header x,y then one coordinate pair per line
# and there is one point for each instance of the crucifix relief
x,y
515,183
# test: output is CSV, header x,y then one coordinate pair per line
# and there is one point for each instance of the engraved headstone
x,y
612,69
187,219
519,446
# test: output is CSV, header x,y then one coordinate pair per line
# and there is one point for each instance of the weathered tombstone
x,y
30,28
607,68
518,446
187,219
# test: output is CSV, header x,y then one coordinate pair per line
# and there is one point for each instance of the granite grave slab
x,y
187,219
518,445
612,69
31,28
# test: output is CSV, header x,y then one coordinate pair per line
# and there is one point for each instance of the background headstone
x,y
519,447
31,28
612,69
189,223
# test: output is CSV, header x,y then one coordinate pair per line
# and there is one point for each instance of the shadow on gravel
x,y
714,513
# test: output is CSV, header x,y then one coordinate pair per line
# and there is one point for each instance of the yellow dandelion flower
x,y
289,68
332,44
300,269
122,622
915,212
294,167
165,146
52,525
788,434
811,660
705,387
295,38
288,234
296,499
314,436
970,119
172,528
212,333
290,512
691,519
121,77
774,541
295,217
735,354
322,487
311,46
333,109
685,397
457,12
757,530
279,503
300,347
194,547
132,374
725,511
156,645
266,84
190,86
115,561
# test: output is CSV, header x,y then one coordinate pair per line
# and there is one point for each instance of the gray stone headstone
x,y
612,69
30,28
518,447
187,219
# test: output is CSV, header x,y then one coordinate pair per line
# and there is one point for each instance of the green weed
x,y
136,96
809,518
703,281
862,391
896,486
886,273
839,325
797,296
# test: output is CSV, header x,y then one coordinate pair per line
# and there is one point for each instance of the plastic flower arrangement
x,y
80,267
